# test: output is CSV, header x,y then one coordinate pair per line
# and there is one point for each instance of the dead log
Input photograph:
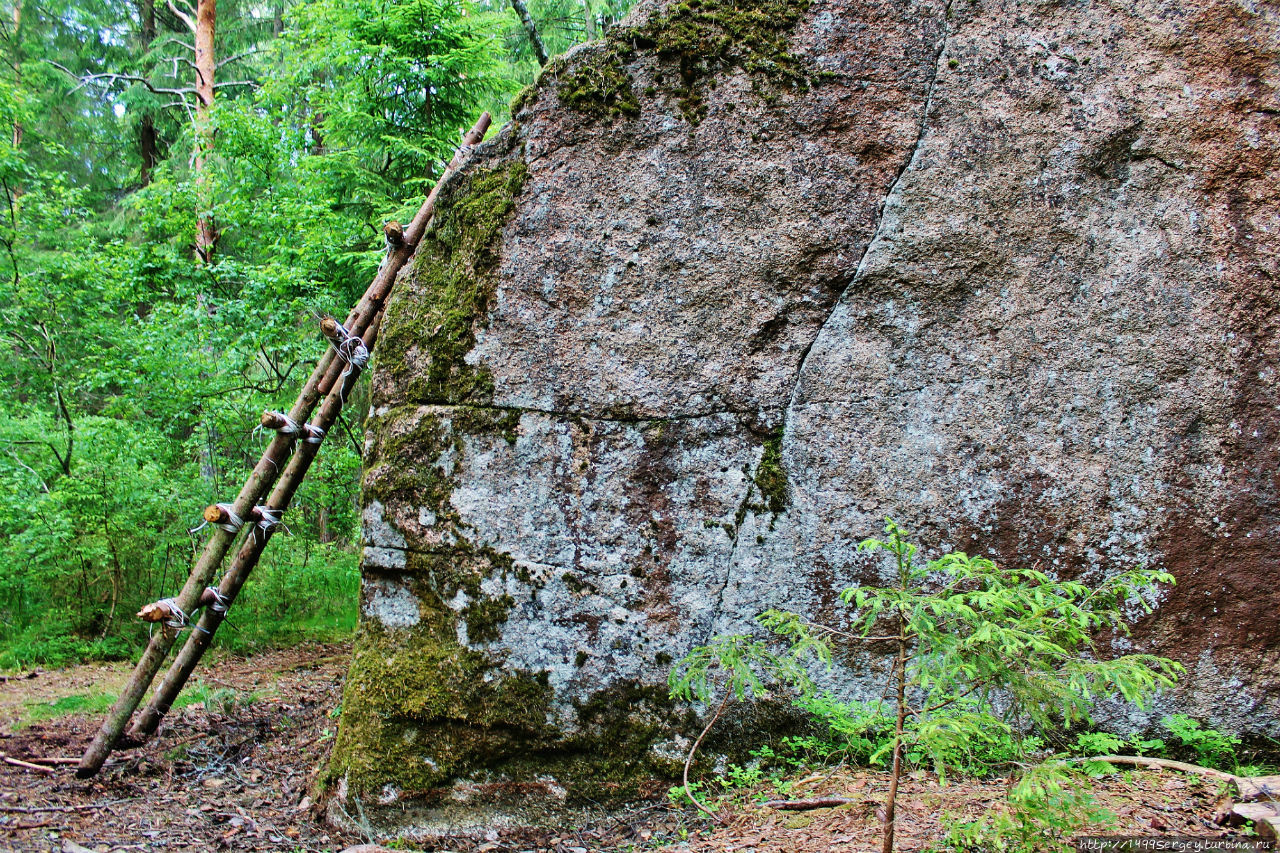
x,y
1258,788
805,805
327,373
1162,764
1265,818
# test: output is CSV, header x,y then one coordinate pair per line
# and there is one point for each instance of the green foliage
x,y
77,703
744,665
977,633
1047,805
135,376
985,656
218,700
1210,747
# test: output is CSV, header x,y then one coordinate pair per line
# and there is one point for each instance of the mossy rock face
x,y
643,383
439,304
694,40
420,709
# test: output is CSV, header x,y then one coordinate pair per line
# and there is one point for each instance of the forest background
x,y
165,247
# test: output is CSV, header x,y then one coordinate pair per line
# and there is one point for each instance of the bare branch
x,y
116,78
230,59
234,83
185,18
174,40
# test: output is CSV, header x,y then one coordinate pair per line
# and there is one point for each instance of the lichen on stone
x,y
409,446
694,40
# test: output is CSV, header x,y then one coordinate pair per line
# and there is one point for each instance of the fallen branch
x,y
805,805
18,762
35,809
1161,764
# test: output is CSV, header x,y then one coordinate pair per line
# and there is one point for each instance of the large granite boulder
x,y
743,279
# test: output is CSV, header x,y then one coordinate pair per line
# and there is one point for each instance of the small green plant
x,y
1211,747
1047,805
224,701
737,667
981,654
1098,743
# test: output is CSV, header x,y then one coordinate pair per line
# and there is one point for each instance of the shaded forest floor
x,y
233,772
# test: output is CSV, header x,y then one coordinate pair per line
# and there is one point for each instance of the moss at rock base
x,y
420,709
420,712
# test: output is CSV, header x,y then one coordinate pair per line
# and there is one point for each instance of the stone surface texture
x,y
1005,271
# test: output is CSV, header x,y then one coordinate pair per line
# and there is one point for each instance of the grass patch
x,y
65,706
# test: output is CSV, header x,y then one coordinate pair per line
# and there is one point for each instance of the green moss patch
x,y
451,289
771,478
419,709
695,41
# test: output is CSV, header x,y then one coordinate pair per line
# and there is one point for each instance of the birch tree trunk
x,y
529,27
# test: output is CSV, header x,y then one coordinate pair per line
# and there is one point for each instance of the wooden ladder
x,y
284,463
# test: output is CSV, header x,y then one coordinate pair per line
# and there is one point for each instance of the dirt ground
x,y
237,776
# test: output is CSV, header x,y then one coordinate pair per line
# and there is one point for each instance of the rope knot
x,y
220,601
177,617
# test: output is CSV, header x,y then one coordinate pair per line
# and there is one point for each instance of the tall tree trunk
x,y
17,64
206,234
148,140
589,18
534,39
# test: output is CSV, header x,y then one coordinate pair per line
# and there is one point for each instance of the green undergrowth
x,y
1050,794
299,592
695,40
295,595
64,706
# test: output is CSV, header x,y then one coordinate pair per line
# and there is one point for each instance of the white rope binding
x,y
233,522
349,347
267,519
220,601
231,525
291,427
315,434
177,618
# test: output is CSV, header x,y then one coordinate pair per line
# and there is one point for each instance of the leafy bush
x,y
1210,747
